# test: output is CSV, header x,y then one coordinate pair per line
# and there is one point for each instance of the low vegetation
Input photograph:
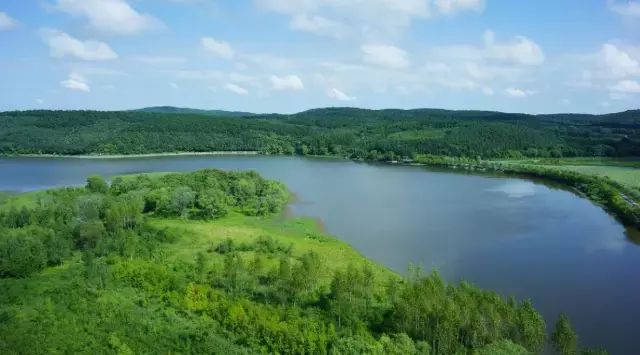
x,y
199,263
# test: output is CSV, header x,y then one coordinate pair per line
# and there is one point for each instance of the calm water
x,y
515,236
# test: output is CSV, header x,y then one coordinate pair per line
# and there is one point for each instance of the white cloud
x,y
604,104
6,22
76,82
453,6
515,92
236,89
625,9
487,91
62,45
619,63
339,95
109,16
173,85
374,15
521,50
288,82
625,87
160,59
219,48
386,56
39,101
318,25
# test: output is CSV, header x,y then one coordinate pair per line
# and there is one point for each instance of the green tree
x,y
563,338
97,184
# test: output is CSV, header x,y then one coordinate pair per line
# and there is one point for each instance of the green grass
x,y
302,233
27,199
624,171
151,175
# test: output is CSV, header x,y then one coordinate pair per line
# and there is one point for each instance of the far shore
x,y
123,156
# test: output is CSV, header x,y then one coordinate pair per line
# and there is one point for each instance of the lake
x,y
515,236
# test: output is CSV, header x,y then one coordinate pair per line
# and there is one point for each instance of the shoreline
x,y
621,206
125,156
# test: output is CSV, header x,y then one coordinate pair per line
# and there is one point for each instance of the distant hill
x,y
171,109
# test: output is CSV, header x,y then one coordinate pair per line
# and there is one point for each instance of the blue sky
x,y
535,56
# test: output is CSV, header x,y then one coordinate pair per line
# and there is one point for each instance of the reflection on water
x,y
516,189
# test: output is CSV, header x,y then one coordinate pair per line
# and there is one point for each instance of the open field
x,y
624,171
301,233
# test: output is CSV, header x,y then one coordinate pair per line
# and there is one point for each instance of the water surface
x,y
516,236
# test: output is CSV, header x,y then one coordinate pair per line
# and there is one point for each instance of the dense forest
x,y
357,133
93,270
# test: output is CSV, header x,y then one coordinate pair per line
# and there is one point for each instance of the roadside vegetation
x,y
202,262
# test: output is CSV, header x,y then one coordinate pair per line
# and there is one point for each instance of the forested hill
x,y
358,133
172,109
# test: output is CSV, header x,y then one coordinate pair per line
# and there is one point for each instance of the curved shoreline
x,y
124,156
623,204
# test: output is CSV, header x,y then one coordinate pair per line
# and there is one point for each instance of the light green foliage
x,y
97,184
563,338
125,277
502,347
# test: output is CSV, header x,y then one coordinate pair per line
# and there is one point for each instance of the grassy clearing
x,y
624,171
27,199
302,233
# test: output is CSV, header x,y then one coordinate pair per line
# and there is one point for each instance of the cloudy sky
x,y
535,56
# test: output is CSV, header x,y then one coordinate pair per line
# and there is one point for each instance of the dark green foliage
x,y
358,133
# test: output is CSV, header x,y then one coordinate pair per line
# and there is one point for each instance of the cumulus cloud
x,y
625,87
618,62
288,82
520,50
76,82
625,8
62,45
386,56
221,49
379,14
236,89
453,6
515,92
115,17
6,22
487,91
318,25
339,95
